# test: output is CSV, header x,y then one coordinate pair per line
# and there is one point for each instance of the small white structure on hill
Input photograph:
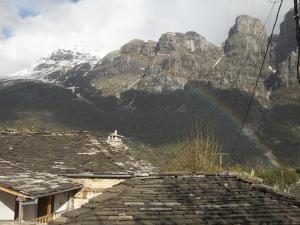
x,y
115,139
10,131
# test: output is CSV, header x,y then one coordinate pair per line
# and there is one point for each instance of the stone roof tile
x,y
187,199
36,184
68,153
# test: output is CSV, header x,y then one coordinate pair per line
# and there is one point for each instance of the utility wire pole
x,y
221,155
296,15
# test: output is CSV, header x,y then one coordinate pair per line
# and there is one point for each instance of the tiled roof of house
x,y
187,199
33,185
68,153
296,190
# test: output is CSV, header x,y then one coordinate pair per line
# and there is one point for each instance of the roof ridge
x,y
266,188
180,199
259,187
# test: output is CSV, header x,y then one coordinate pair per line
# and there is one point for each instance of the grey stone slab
x,y
171,199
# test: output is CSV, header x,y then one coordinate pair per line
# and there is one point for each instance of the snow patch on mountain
x,y
58,61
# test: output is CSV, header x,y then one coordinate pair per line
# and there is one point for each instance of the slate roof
x,y
34,185
187,199
68,153
296,190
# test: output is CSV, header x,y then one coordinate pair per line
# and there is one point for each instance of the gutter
x,y
58,192
14,192
107,176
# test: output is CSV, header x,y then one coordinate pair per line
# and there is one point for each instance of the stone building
x,y
115,139
86,161
26,196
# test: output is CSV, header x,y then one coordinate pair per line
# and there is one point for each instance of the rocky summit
x,y
285,50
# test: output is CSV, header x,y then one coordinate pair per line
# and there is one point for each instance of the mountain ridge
x,y
167,64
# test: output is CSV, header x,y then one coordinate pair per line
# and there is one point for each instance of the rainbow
x,y
229,114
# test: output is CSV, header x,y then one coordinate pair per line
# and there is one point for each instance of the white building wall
x,y
29,212
91,189
7,206
61,202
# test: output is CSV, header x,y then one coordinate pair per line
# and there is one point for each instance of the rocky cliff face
x,y
185,55
177,58
248,35
287,38
243,53
285,51
156,66
139,47
190,42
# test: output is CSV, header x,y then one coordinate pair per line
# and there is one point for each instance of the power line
x,y
257,80
243,62
271,11
296,14
275,1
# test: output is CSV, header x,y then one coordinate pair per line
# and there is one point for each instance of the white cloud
x,y
101,26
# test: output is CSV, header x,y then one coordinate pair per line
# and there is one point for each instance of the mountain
x,y
157,92
286,51
56,68
166,65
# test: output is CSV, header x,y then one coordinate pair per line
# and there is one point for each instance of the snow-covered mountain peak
x,y
53,67
71,56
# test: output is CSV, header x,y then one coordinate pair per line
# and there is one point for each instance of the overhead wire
x,y
275,1
243,62
257,80
296,15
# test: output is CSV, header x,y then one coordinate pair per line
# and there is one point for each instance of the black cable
x,y
296,14
275,1
257,80
243,62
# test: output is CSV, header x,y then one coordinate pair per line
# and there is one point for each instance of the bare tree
x,y
199,152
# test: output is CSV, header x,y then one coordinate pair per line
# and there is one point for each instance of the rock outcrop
x,y
187,55
139,47
191,42
177,58
156,66
285,51
287,38
244,50
248,35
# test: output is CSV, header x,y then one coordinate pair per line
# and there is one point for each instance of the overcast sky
x,y
31,29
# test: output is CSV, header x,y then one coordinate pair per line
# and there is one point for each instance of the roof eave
x,y
58,192
14,192
104,176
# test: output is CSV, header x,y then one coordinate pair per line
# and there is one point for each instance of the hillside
x,y
156,92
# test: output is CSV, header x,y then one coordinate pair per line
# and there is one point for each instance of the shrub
x,y
198,152
282,178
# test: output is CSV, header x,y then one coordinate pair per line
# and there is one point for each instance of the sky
x,y
31,29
